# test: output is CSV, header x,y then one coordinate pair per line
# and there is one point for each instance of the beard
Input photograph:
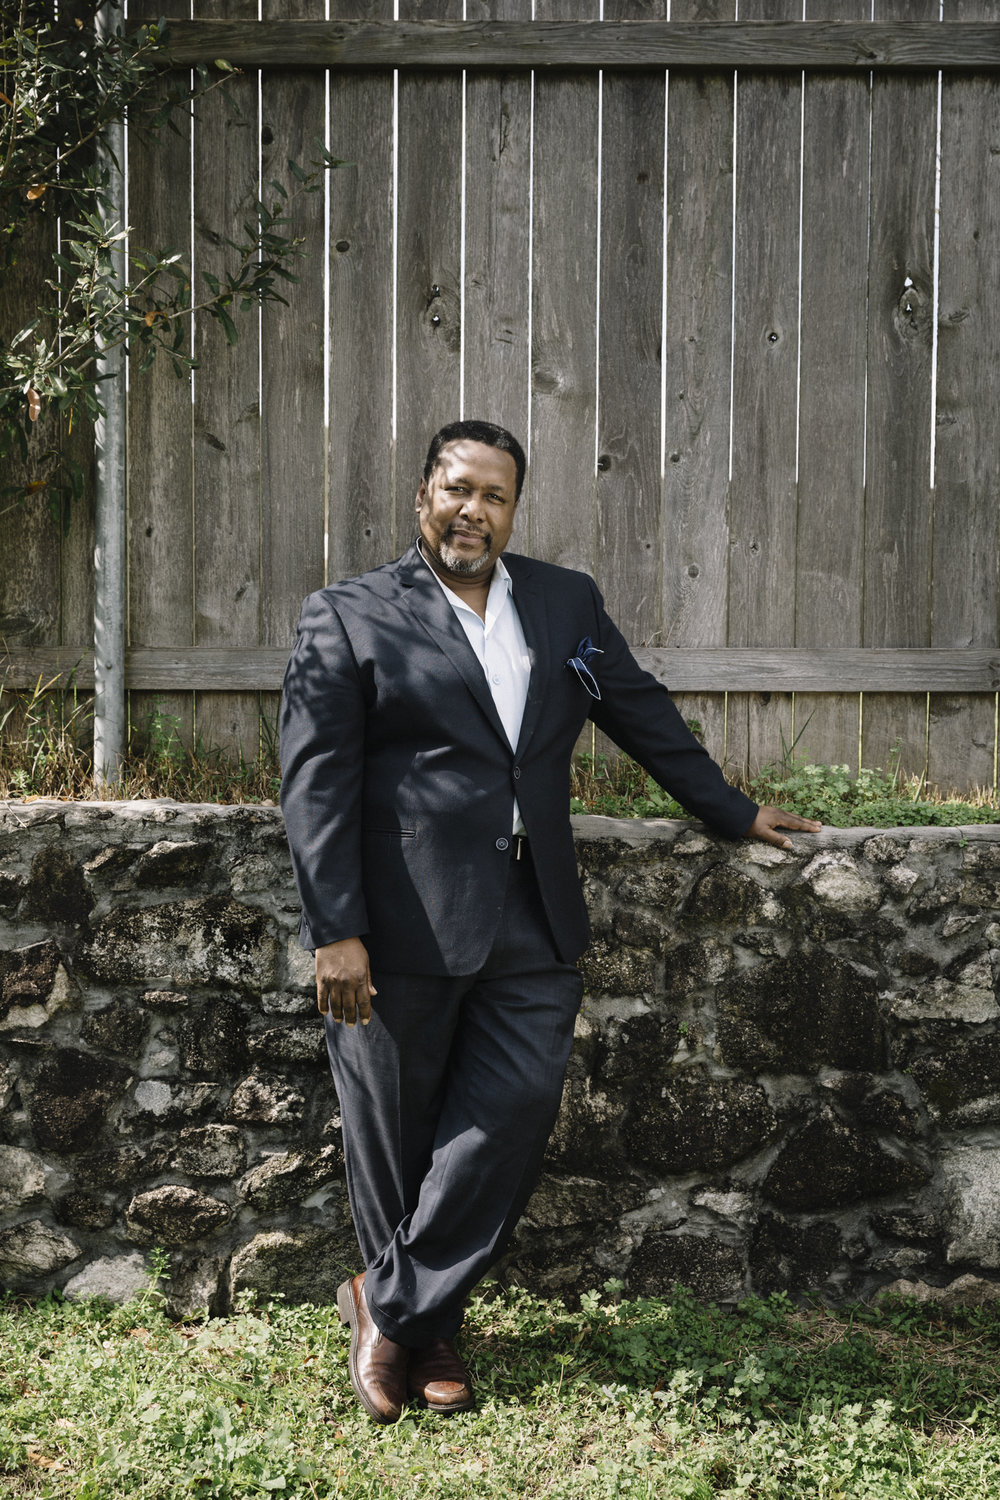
x,y
457,562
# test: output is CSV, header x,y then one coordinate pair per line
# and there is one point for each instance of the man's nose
x,y
473,506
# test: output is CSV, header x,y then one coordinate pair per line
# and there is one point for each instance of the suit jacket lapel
x,y
422,593
532,609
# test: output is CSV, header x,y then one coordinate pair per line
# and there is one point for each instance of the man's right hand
x,y
344,982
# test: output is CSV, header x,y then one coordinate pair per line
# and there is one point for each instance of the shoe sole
x,y
348,1316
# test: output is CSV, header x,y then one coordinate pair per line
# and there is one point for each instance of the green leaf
x,y
229,327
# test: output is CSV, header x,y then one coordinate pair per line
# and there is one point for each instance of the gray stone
x,y
612,968
252,875
967,1291
212,1151
725,897
174,1216
193,1288
214,1040
287,1178
57,889
799,1014
885,850
207,941
11,891
304,1265
33,1249
172,864
792,1257
836,881
290,1044
83,1211
869,1103
172,1104
266,1101
972,1174
943,1000
33,986
660,886
687,1122
300,968
966,1075
22,1177
119,1027
165,1000
706,1267
636,1045
118,1278
828,1165
122,1168
696,966
558,1202
72,1094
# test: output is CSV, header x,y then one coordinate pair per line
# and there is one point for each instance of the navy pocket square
x,y
585,653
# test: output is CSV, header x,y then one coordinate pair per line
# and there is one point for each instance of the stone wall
x,y
787,1069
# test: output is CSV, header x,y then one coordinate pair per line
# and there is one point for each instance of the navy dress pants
x,y
448,1098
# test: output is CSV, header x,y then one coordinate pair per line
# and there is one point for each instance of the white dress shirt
x,y
499,643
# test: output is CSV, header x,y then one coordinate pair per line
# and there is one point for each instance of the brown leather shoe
x,y
438,1377
376,1364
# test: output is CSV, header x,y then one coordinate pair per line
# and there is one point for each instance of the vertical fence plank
x,y
428,307
561,522
765,358
226,403
496,356
966,503
160,473
900,303
29,536
631,307
831,500
293,376
361,527
697,353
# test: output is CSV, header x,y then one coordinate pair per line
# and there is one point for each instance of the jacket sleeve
x,y
638,713
322,759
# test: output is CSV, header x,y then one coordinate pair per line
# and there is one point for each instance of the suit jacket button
x,y
503,844
517,773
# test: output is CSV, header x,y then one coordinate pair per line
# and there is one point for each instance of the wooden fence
x,y
745,317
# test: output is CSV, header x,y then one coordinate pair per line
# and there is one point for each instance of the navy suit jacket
x,y
399,781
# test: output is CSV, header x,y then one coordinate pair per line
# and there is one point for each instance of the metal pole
x,y
109,520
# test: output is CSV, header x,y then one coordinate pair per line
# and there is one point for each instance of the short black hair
x,y
478,432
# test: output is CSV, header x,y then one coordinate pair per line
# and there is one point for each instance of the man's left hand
x,y
769,819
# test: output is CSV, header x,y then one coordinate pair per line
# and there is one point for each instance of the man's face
x,y
467,507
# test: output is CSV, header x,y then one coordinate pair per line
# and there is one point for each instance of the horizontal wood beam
x,y
903,45
734,669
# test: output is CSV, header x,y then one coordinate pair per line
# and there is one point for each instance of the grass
x,y
632,1400
45,739
873,799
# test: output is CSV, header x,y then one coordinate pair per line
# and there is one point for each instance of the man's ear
x,y
421,495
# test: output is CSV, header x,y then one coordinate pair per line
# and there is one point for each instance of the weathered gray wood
x,y
293,373
697,355
160,471
629,374
561,523
961,731
765,366
361,521
226,406
900,304
831,446
711,670
549,43
496,355
428,303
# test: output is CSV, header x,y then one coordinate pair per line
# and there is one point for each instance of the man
x,y
430,712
